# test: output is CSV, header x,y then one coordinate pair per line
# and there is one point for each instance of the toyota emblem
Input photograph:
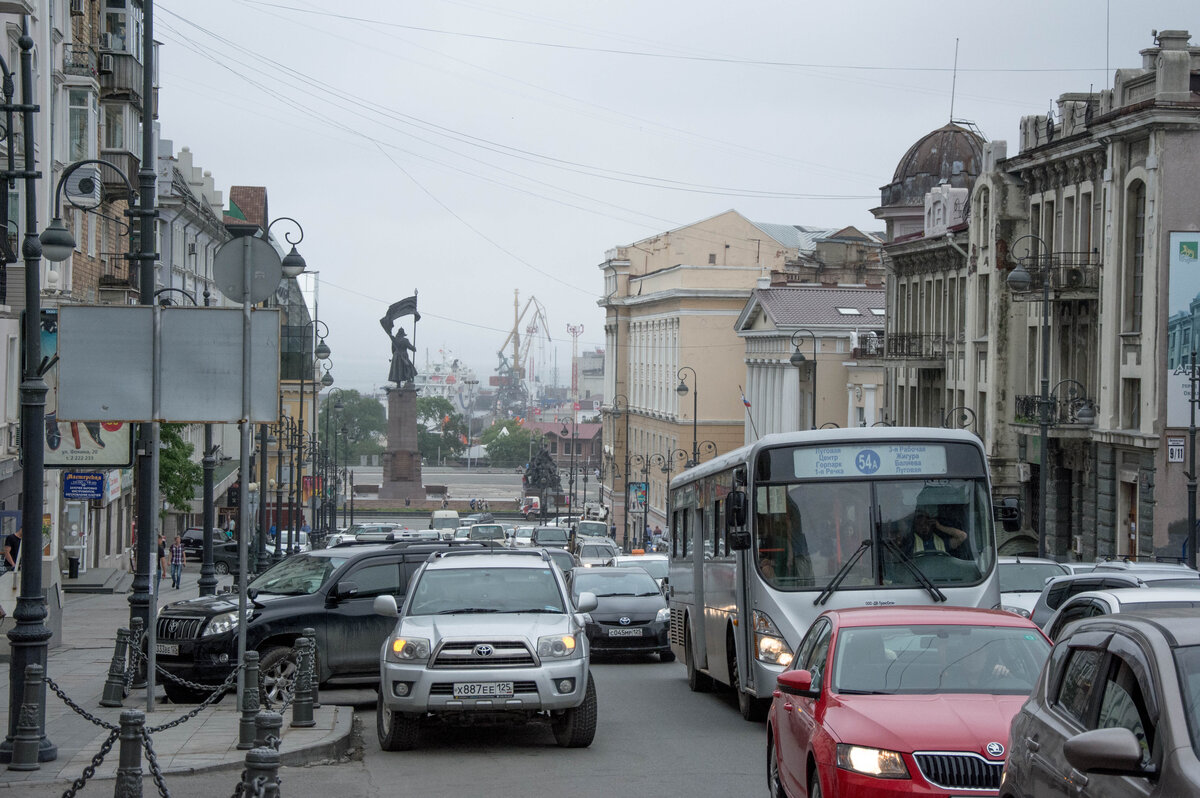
x,y
172,626
484,650
995,750
624,621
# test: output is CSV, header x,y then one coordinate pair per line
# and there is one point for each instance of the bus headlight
x,y
769,645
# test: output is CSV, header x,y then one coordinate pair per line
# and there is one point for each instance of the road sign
x,y
1174,450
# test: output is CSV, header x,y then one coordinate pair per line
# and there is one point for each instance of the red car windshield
x,y
996,660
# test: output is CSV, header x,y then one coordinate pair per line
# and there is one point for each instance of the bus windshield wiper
x,y
923,580
840,576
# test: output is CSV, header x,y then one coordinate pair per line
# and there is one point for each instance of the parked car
x,y
565,560
553,536
485,635
1114,713
522,537
594,552
1022,580
1061,588
1128,599
487,533
654,564
901,701
329,590
477,518
590,528
631,614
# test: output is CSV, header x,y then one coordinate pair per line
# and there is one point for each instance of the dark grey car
x,y
1114,713
1061,588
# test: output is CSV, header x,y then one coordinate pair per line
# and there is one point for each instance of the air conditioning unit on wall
x,y
1023,472
106,64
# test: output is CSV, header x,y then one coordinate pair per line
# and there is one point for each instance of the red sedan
x,y
890,701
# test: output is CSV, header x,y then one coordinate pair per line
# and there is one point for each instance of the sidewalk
x,y
206,742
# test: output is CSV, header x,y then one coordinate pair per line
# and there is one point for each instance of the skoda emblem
x,y
623,621
995,750
484,650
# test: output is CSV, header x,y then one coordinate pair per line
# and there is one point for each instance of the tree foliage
x,y
509,443
440,429
178,474
363,419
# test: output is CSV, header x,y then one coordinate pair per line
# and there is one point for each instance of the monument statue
x,y
402,370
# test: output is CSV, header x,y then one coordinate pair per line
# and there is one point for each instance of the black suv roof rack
x,y
540,553
474,546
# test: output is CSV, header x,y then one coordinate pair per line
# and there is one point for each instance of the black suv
x,y
330,590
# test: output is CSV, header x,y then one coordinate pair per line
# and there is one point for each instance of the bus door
x,y
699,607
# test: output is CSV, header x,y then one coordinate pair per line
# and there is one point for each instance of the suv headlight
x,y
1024,613
556,646
871,761
225,622
769,645
407,649
663,615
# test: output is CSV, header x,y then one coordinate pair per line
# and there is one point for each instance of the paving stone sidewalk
x,y
206,742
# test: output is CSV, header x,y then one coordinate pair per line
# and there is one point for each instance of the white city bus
x,y
765,538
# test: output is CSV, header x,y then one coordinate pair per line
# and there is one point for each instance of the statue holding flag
x,y
402,369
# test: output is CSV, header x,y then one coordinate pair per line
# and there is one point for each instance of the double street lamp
x,y
620,407
797,359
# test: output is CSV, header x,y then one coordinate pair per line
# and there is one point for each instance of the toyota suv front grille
x,y
483,654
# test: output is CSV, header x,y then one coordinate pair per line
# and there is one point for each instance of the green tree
x,y
178,474
440,430
363,419
508,443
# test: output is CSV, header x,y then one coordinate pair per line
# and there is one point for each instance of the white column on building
x,y
791,398
777,398
760,397
870,410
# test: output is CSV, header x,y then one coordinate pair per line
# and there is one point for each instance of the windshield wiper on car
x,y
544,610
467,610
923,580
610,595
863,692
652,593
840,576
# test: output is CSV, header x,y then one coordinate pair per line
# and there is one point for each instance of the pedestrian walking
x,y
12,550
178,560
161,571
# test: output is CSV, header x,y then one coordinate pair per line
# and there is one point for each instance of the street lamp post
x,y
316,444
470,416
282,434
333,403
797,359
960,418
682,390
620,407
321,352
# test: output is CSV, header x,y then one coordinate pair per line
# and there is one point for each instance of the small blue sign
x,y
82,486
868,461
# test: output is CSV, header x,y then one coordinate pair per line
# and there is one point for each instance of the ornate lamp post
x,y
682,390
620,407
960,418
797,359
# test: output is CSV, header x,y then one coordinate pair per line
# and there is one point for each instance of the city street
x,y
654,738
500,486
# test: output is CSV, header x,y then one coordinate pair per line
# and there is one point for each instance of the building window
x,y
1131,404
712,259
123,26
1135,246
81,124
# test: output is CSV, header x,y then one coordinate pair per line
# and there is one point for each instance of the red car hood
x,y
951,722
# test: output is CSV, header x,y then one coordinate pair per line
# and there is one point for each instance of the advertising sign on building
x,y
82,486
636,501
1183,324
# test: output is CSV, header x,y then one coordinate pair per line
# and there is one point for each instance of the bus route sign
x,y
896,460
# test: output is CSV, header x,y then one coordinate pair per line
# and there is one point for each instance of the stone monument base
x,y
402,458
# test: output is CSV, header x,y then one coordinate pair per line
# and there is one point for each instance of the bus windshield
x,y
911,531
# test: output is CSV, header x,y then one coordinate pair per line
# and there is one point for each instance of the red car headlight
x,y
871,761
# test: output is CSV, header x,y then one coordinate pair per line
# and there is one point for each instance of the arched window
x,y
1135,256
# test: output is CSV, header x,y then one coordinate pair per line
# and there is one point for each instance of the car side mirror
x,y
345,590
1114,752
735,508
739,540
586,602
385,605
252,593
797,683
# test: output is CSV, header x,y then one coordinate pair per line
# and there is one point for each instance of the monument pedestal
x,y
402,458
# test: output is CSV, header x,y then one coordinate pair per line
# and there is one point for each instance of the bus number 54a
x,y
867,461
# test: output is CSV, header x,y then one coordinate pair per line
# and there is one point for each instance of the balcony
x,y
1072,276
1065,412
120,77
127,162
79,59
916,350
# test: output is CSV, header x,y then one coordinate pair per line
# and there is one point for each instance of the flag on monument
x,y
405,307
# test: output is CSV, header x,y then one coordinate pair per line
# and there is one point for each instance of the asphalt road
x,y
654,738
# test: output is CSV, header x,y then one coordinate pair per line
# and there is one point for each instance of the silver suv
x,y
486,636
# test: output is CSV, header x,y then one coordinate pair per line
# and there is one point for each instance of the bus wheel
x,y
752,709
697,682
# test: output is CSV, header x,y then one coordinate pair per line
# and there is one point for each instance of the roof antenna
x,y
954,80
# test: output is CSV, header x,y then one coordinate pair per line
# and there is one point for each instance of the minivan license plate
x,y
483,689
170,649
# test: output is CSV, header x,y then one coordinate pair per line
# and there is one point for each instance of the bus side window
x,y
722,545
689,526
710,532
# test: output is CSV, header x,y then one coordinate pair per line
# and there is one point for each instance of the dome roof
x,y
951,153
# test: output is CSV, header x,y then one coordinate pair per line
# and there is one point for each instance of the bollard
x,y
26,741
261,773
268,729
114,685
302,701
129,763
311,634
250,703
137,630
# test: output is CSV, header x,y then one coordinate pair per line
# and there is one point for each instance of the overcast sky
x,y
470,148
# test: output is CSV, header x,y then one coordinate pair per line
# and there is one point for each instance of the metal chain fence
x,y
90,770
